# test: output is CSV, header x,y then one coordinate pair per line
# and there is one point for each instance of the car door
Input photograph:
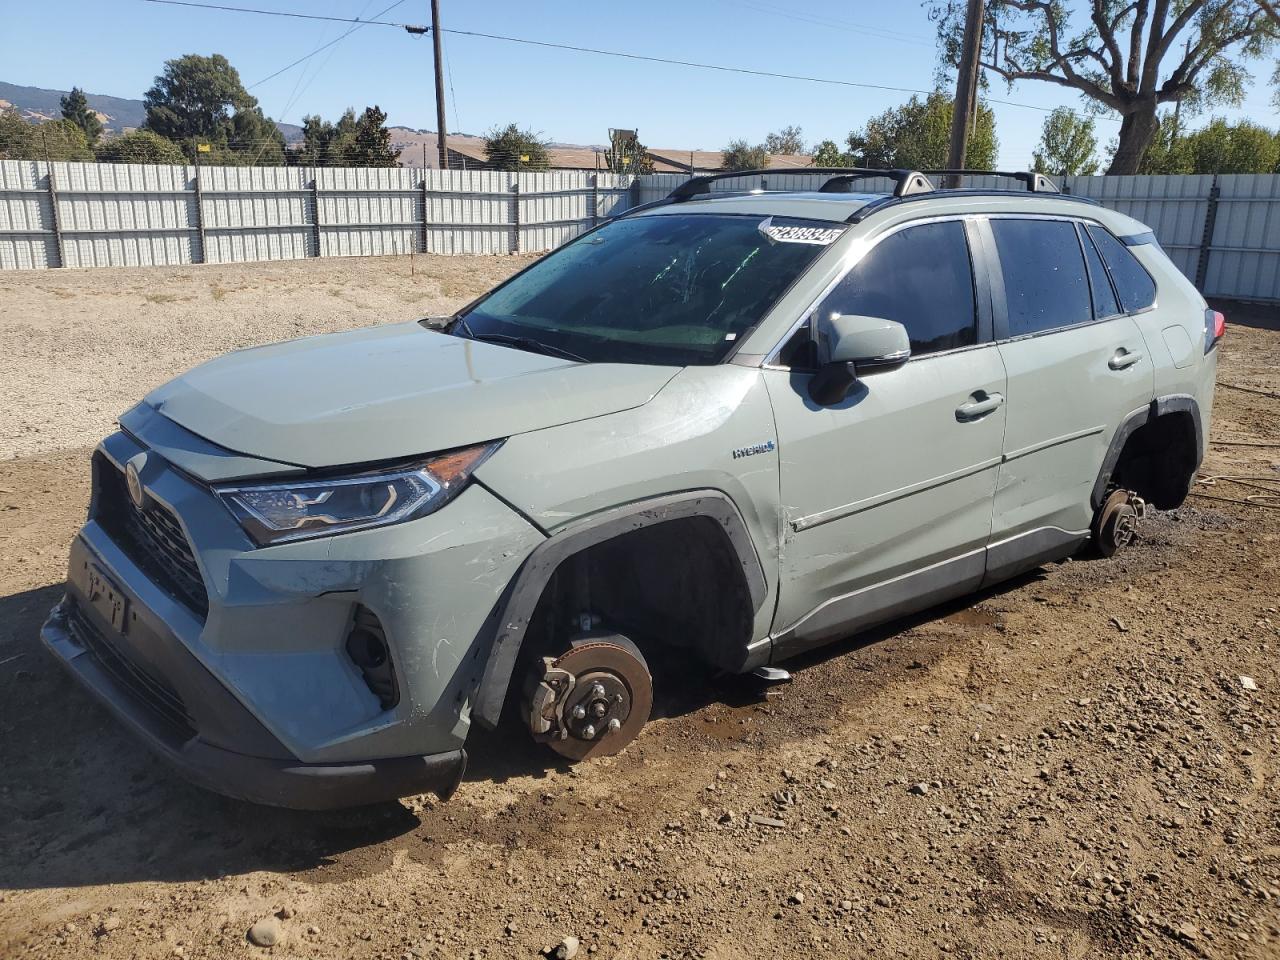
x,y
1077,366
887,495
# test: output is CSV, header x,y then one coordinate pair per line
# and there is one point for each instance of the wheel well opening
x,y
1159,460
676,585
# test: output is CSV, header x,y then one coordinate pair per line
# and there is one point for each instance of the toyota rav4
x,y
728,426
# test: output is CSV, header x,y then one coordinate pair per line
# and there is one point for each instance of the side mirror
x,y
852,345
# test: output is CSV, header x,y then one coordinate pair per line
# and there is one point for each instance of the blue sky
x,y
117,47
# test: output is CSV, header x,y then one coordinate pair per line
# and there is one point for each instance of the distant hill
x,y
118,114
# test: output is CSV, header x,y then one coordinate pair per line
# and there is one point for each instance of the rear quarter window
x,y
1133,284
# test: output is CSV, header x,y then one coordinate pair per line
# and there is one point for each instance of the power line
x,y
722,68
285,13
336,40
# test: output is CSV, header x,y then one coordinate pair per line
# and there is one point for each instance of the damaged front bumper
x,y
242,675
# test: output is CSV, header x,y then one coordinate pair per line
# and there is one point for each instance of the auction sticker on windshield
x,y
799,232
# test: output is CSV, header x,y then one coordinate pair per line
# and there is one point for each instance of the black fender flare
x,y
1160,406
510,618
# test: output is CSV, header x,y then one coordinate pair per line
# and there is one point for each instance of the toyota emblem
x,y
134,483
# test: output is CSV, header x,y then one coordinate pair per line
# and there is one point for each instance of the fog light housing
x,y
368,650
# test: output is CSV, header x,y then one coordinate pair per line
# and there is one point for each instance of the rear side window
x,y
1134,285
1044,280
922,278
1105,303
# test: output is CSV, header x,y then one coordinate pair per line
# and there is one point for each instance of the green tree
x,y
51,140
917,135
1221,147
1217,147
740,155
827,154
1126,57
1067,145
510,148
17,141
75,107
140,146
201,100
326,144
253,139
788,140
626,154
371,142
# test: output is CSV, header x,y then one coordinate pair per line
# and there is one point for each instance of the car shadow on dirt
x,y
83,803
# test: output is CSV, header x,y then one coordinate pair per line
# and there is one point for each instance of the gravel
x,y
79,347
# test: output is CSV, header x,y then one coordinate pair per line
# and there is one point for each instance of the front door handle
x,y
1123,359
981,404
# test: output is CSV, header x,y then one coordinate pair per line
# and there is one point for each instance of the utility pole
x,y
966,88
441,132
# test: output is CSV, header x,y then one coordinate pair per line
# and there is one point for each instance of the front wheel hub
x,y
592,700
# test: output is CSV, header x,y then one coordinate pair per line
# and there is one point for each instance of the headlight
x,y
295,510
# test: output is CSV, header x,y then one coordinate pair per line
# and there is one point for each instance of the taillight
x,y
1215,325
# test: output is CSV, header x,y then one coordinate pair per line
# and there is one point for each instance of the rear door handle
x,y
1124,359
979,406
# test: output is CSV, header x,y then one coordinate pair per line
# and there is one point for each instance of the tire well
x,y
1159,460
677,584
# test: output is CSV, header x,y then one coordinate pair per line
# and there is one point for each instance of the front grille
x,y
152,538
153,692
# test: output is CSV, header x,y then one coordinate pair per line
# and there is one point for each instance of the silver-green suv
x,y
724,428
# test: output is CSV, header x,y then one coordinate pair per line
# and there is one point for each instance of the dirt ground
x,y
1072,765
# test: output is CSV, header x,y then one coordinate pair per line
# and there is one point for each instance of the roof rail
x,y
905,181
1035,182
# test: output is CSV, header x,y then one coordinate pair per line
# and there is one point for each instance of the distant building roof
x,y
468,153
708,161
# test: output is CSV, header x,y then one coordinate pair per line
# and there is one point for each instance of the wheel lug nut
x,y
589,732
579,712
597,690
615,725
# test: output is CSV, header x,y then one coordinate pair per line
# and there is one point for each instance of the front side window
x,y
921,277
1045,285
1134,285
675,289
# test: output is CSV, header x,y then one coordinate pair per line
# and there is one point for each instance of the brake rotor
x,y
609,703
1117,522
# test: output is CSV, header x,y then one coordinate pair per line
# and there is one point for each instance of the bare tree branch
x,y
1135,47
1107,33
1151,61
1179,24
1083,84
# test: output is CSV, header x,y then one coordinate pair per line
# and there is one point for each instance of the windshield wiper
x,y
523,343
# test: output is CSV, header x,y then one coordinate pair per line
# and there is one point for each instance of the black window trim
x,y
1087,244
1155,301
1000,305
983,293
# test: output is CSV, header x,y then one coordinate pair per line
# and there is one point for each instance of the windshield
x,y
666,289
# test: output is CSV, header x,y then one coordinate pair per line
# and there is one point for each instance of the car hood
x,y
389,392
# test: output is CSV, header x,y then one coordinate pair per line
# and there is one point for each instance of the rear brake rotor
x,y
607,703
1116,525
